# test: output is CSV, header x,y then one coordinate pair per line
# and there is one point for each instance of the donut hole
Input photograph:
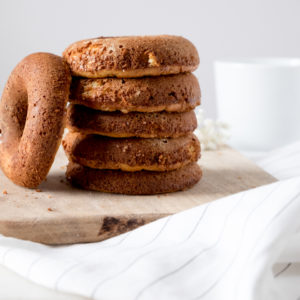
x,y
14,114
21,117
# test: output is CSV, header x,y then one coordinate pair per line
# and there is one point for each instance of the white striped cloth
x,y
242,247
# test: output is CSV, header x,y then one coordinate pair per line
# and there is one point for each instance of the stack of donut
x,y
131,117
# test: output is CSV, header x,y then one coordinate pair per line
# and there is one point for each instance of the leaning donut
x,y
32,117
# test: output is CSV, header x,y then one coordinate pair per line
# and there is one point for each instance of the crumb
x,y
50,209
152,60
239,177
4,192
63,167
38,190
36,198
158,196
49,196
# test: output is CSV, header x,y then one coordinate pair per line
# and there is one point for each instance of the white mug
x,y
260,101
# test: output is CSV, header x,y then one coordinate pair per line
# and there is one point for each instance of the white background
x,y
218,28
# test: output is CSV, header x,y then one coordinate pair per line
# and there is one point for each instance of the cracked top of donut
x,y
131,56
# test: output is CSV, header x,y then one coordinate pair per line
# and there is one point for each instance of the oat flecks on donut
x,y
174,93
132,56
32,117
134,183
134,124
131,154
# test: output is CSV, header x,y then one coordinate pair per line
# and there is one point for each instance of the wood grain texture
x,y
61,214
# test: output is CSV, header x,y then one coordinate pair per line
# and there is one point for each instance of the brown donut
x,y
32,117
131,154
174,93
131,56
134,183
134,124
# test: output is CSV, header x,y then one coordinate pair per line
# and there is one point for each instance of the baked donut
x,y
134,124
131,56
32,117
175,93
131,154
133,183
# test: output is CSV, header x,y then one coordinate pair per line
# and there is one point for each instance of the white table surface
x,y
15,287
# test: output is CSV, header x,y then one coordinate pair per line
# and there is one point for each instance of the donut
x,y
131,154
32,117
174,93
133,183
131,56
134,124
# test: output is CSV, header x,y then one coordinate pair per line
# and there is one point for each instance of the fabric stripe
x,y
283,270
98,285
190,260
246,223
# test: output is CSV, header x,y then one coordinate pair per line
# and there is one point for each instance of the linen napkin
x,y
245,246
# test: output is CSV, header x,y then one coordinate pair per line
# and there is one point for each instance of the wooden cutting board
x,y
61,214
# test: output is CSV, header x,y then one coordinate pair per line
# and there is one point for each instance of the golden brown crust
x,y
131,56
174,93
134,124
32,117
134,183
131,154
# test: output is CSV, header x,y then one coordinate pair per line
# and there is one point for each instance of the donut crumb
x,y
4,192
38,190
50,209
